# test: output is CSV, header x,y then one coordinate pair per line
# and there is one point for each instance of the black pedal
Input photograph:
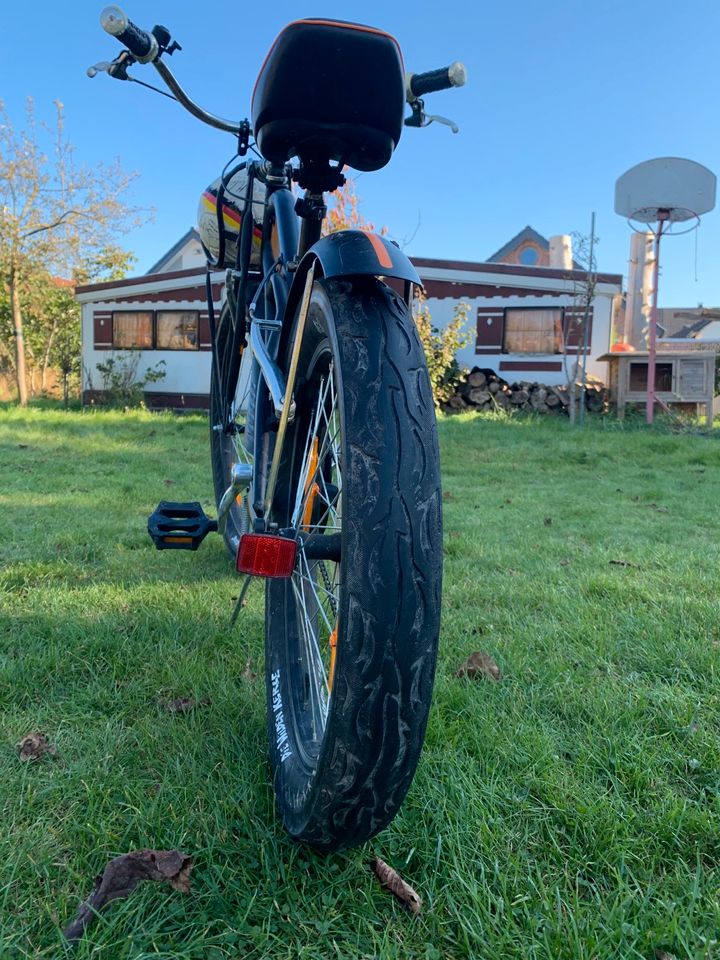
x,y
179,526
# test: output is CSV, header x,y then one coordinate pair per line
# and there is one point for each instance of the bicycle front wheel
x,y
351,638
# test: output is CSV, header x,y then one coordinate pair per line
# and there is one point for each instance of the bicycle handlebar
x,y
145,47
142,45
418,84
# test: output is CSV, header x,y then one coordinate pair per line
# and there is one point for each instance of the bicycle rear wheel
x,y
351,638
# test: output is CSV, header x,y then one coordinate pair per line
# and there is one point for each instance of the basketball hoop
x,y
663,192
677,215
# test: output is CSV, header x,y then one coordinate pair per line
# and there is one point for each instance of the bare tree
x,y
583,295
345,214
55,215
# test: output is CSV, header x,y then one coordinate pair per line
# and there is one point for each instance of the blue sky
x,y
562,98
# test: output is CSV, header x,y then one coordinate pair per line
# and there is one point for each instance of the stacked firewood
x,y
483,389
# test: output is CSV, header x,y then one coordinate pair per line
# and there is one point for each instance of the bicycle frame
x,y
271,310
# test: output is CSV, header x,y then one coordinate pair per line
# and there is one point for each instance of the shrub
x,y
441,347
121,385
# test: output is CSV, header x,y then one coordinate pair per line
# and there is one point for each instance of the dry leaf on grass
x,y
184,704
34,745
123,874
392,881
480,665
248,673
664,955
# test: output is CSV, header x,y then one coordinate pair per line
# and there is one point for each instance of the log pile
x,y
483,389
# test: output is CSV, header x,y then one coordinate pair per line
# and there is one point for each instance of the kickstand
x,y
241,599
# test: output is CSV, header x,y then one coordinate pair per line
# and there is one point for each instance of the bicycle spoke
x,y
316,511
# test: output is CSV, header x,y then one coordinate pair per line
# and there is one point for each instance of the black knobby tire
x,y
339,784
227,442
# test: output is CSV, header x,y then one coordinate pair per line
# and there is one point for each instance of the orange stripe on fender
x,y
380,251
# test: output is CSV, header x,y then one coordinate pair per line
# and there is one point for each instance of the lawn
x,y
570,810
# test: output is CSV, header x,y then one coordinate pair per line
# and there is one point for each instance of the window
x,y
156,330
177,329
533,330
639,376
133,330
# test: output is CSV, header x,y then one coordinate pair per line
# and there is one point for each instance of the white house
x,y
162,315
524,313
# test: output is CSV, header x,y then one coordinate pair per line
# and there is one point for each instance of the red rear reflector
x,y
263,555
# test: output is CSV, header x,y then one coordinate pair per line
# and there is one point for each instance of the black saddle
x,y
330,90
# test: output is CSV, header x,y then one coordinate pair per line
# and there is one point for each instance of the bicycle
x,y
322,424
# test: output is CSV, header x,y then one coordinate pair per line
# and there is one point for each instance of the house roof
x,y
525,235
511,269
191,234
691,330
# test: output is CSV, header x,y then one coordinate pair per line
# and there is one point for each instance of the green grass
x,y
570,811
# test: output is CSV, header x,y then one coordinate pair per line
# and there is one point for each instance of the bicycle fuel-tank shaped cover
x,y
330,90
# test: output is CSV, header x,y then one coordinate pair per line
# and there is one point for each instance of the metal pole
x,y
589,294
289,388
650,404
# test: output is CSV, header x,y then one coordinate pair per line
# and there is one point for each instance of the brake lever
x,y
419,118
117,68
429,117
102,67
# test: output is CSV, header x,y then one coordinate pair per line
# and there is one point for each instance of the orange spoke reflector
x,y
333,650
311,489
238,498
265,555
307,512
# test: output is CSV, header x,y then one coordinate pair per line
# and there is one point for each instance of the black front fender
x,y
354,253
351,253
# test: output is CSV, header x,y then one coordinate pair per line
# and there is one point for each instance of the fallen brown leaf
x,y
447,495
480,665
184,704
654,506
123,874
564,562
664,955
392,881
248,673
34,745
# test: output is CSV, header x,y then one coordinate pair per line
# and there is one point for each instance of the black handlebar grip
x,y
142,45
419,84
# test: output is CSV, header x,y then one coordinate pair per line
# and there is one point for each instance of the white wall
x,y
186,371
442,313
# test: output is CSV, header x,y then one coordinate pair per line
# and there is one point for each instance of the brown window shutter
x,y
490,324
204,338
573,327
102,330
